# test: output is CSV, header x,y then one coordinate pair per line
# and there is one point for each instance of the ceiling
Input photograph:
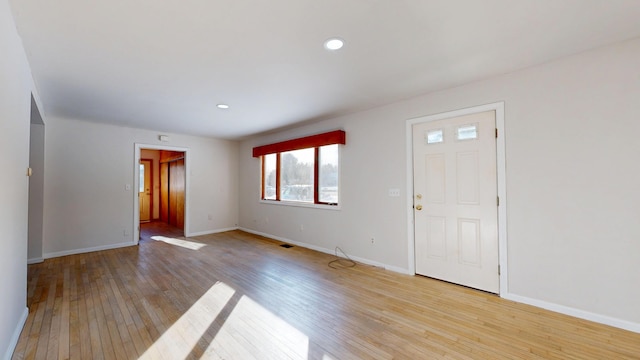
x,y
164,65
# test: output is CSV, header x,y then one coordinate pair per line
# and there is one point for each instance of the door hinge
x,y
498,200
496,132
498,269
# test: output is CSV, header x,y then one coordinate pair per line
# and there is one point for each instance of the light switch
x,y
127,187
394,192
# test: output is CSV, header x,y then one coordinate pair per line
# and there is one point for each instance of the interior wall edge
x,y
35,260
209,232
16,334
581,314
328,251
86,250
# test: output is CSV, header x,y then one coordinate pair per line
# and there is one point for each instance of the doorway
x,y
457,197
36,185
162,183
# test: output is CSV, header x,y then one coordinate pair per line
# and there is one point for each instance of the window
x,y
141,185
435,136
304,170
328,174
467,132
269,178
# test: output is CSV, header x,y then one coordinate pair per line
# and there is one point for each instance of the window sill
x,y
301,204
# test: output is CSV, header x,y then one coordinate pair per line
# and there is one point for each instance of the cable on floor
x,y
341,261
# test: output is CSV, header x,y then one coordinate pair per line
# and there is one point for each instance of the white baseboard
x,y
398,270
209,232
327,251
86,250
34,261
16,335
586,315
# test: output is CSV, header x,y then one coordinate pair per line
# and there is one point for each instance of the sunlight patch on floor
x,y
253,332
179,242
179,340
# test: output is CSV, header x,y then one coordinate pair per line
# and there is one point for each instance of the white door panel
x,y
455,194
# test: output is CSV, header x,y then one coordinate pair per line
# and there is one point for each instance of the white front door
x,y
455,200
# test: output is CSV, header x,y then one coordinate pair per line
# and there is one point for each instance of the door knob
x,y
418,207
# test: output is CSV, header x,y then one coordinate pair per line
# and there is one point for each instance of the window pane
x,y
296,175
328,177
269,163
141,185
467,132
435,136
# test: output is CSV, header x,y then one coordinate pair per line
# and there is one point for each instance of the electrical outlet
x,y
373,241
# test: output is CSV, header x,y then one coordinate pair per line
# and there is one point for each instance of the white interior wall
x,y
571,171
15,105
87,206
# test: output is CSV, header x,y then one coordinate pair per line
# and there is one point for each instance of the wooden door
x,y
455,200
173,194
172,191
178,175
176,193
144,190
164,192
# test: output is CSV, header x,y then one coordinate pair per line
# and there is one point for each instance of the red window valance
x,y
328,138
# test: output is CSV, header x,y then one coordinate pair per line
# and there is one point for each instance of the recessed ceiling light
x,y
222,106
334,44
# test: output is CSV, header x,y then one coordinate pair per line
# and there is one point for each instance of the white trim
x,y
87,250
501,167
586,315
35,261
302,204
411,248
327,251
209,232
498,107
16,335
397,269
136,179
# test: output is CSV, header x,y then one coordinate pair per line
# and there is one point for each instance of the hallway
x,y
159,228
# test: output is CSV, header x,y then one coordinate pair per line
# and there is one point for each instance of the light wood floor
x,y
238,296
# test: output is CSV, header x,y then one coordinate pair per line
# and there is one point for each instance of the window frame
x,y
314,142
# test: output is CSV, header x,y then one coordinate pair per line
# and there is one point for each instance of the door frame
x,y
136,180
498,107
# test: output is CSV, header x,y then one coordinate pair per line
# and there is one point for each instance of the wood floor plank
x,y
65,317
45,327
83,319
101,345
162,300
